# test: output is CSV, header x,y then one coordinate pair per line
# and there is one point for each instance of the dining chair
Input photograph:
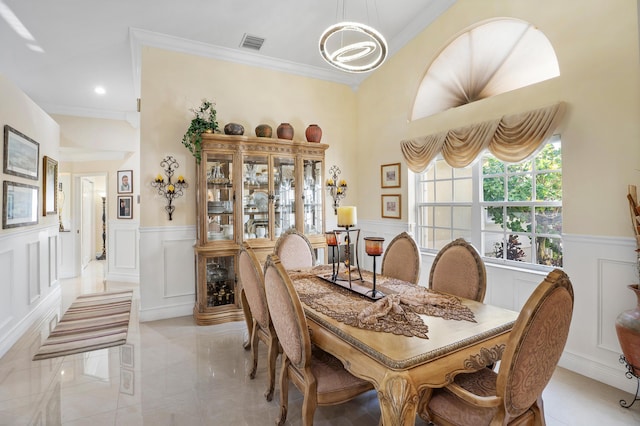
x,y
401,259
320,377
294,250
254,300
459,270
513,395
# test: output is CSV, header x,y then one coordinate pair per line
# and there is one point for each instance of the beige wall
x,y
596,43
172,83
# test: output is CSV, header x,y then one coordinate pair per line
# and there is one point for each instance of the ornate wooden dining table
x,y
404,348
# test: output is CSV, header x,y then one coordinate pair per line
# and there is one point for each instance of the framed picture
x,y
49,186
125,182
125,206
21,154
391,206
390,175
20,204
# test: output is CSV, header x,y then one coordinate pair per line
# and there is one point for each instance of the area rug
x,y
93,321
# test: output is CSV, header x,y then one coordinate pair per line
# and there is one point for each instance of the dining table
x,y
407,342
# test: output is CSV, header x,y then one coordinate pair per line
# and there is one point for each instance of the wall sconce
x,y
337,189
168,189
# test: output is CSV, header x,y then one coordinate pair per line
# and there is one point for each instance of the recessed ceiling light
x,y
100,90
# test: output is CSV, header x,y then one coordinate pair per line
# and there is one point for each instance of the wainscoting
x,y
600,269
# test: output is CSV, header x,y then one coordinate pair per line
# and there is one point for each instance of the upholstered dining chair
x,y
401,259
294,250
514,394
256,312
458,269
319,376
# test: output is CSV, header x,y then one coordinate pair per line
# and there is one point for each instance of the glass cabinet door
x,y
221,281
312,196
284,190
220,203
255,197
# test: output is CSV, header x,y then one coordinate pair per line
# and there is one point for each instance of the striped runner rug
x,y
93,321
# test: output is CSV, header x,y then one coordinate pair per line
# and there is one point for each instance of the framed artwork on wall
x,y
390,175
49,186
125,207
391,206
21,154
20,204
125,181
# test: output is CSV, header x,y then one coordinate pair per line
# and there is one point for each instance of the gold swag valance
x,y
511,138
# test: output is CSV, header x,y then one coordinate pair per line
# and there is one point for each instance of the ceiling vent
x,y
251,42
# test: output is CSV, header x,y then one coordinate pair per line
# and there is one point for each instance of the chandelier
x,y
353,47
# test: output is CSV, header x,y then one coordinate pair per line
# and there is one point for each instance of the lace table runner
x,y
397,313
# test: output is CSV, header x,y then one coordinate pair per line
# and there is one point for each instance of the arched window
x,y
491,58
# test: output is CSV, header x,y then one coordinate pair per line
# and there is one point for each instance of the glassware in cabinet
x,y
220,197
284,194
255,197
312,196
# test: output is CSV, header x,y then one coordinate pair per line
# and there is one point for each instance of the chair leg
x,y
310,402
284,391
254,349
273,355
248,318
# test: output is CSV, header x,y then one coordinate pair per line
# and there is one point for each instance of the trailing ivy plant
x,y
204,121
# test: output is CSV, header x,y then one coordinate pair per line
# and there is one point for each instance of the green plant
x,y
204,121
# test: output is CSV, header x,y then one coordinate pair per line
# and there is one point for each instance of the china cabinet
x,y
250,190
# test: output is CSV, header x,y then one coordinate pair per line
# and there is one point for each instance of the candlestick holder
x,y
168,189
337,189
373,247
332,238
347,252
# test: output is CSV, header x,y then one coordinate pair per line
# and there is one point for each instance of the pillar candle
x,y
347,216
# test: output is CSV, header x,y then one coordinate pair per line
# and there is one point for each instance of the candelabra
x,y
332,239
103,256
336,189
347,220
373,247
168,189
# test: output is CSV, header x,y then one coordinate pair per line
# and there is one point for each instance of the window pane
x,y
518,219
462,217
519,248
549,187
463,190
491,165
492,218
549,158
426,192
524,166
519,188
443,237
424,237
462,172
444,191
549,220
493,189
430,173
443,170
424,216
491,243
549,251
442,216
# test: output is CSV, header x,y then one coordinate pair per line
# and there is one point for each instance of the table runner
x,y
397,313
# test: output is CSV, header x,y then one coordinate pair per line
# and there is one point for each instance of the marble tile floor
x,y
172,372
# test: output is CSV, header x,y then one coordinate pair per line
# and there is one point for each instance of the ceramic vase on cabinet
x,y
628,330
233,129
313,133
264,131
285,131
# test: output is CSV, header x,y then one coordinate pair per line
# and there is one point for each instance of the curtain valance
x,y
511,138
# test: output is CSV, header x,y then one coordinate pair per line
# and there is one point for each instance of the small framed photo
x,y
49,186
125,206
20,204
21,154
390,175
391,206
125,181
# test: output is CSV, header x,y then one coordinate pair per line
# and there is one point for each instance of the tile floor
x,y
172,372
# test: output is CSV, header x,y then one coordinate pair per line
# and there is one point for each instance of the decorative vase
x,y
264,131
313,133
285,131
233,129
628,330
